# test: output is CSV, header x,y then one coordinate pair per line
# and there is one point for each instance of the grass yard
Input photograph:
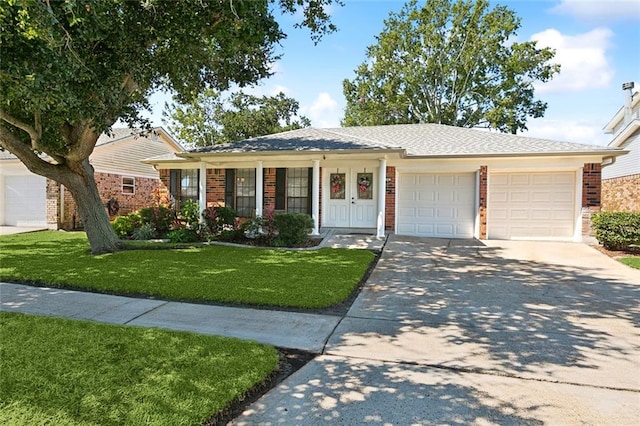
x,y
67,372
297,279
634,262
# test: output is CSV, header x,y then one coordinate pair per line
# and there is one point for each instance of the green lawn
x,y
300,279
67,372
634,262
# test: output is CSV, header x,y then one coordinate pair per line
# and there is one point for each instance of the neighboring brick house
x,y
621,178
424,180
32,200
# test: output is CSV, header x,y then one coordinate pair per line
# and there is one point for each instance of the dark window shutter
x,y
309,190
174,185
281,188
198,196
229,187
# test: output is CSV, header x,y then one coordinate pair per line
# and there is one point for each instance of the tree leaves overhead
x,y
212,119
69,69
452,63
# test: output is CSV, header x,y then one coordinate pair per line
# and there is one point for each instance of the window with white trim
x,y
128,185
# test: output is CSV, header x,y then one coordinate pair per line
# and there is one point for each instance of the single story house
x,y
621,177
425,180
28,199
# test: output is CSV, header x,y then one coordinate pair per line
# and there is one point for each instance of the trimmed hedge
x,y
293,228
616,230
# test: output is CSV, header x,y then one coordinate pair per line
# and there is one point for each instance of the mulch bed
x,y
617,254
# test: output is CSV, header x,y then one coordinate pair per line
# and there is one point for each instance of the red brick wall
x,y
215,187
591,194
621,194
591,185
269,198
482,198
390,200
53,204
110,186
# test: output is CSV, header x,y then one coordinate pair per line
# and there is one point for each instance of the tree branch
x,y
33,133
28,157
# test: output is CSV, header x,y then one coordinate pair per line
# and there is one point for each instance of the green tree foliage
x,y
70,69
449,62
212,119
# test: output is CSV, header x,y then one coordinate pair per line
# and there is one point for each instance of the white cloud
x,y
323,112
567,130
582,58
598,10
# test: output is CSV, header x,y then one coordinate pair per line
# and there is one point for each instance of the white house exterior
x,y
424,180
621,179
27,199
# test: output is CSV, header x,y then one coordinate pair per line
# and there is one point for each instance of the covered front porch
x,y
338,192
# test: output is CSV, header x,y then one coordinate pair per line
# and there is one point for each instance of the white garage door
x,y
25,201
531,205
436,205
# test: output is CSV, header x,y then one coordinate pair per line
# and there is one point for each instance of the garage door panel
x,y
442,205
531,205
25,200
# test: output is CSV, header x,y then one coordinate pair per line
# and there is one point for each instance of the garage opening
x,y
436,205
25,201
531,205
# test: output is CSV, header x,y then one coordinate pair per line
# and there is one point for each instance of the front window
x,y
245,192
298,190
183,185
128,185
189,185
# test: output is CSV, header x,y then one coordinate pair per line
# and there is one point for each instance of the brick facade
x,y
215,187
482,202
621,194
269,198
53,204
390,200
591,194
109,186
591,185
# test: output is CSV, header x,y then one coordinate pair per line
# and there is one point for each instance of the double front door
x,y
350,197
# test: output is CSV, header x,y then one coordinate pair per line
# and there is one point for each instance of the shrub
x,y
293,228
124,226
183,235
144,232
617,230
160,218
190,214
218,218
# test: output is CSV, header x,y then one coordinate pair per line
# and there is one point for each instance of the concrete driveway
x,y
467,332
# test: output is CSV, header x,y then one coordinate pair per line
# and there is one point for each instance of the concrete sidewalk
x,y
308,332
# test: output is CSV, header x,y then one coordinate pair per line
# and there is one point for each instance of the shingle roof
x,y
307,139
416,139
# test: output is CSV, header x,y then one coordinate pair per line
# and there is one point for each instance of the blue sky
x,y
597,43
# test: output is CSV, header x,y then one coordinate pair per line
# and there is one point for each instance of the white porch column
x,y
382,192
259,188
315,198
202,188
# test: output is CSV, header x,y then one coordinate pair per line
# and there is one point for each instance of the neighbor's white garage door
x,y
531,205
436,205
25,201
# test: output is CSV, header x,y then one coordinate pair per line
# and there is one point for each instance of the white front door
x,y
352,198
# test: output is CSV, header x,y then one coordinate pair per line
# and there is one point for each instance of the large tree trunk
x,y
100,234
